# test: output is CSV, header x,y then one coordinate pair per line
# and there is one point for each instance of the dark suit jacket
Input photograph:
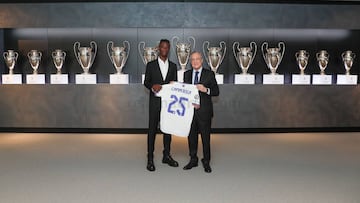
x,y
207,78
153,76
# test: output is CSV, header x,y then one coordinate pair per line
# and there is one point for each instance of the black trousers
x,y
154,119
203,127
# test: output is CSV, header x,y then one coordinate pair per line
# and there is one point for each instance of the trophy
x,y
85,55
302,58
273,56
244,55
34,60
58,58
183,50
214,55
10,57
118,55
147,53
323,60
348,59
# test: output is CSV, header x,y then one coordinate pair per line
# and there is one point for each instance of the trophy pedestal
x,y
119,79
142,78
322,79
347,79
85,79
35,79
244,79
219,79
301,79
272,79
12,79
59,79
180,75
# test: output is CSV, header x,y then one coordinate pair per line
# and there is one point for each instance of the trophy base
x,y
59,79
320,79
273,79
12,79
142,78
35,79
301,79
244,79
347,79
119,78
180,75
85,79
219,79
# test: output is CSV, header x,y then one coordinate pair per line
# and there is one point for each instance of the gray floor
x,y
304,167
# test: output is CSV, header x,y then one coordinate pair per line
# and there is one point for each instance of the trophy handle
x,y
141,50
5,54
94,47
253,46
126,46
53,54
28,54
76,48
207,43
264,47
191,38
174,41
223,47
281,45
64,54
16,55
236,47
109,46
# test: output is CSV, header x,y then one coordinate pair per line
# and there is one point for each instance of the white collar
x,y
161,61
199,70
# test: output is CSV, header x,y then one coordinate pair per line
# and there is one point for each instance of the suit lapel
x,y
203,76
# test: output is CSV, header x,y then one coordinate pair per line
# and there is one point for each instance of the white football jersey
x,y
177,108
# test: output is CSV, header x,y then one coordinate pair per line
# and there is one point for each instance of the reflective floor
x,y
288,167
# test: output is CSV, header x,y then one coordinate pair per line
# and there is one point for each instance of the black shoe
x,y
206,166
150,165
191,164
170,161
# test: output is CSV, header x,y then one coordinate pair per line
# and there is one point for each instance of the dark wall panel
x,y
126,106
180,15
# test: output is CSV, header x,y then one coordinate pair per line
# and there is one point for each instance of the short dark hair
x,y
164,40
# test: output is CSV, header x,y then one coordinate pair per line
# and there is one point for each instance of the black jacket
x,y
207,79
153,76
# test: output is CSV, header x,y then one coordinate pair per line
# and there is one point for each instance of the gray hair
x,y
196,52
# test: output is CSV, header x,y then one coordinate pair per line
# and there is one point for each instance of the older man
x,y
206,83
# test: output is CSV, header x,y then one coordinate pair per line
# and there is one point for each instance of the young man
x,y
159,72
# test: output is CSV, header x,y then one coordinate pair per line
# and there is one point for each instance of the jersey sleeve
x,y
195,97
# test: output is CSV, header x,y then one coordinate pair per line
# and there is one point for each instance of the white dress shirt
x,y
164,67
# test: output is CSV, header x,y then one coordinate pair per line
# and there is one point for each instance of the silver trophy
x,y
183,50
244,55
147,54
302,59
348,59
10,57
34,59
214,55
273,56
118,55
58,58
85,55
323,60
